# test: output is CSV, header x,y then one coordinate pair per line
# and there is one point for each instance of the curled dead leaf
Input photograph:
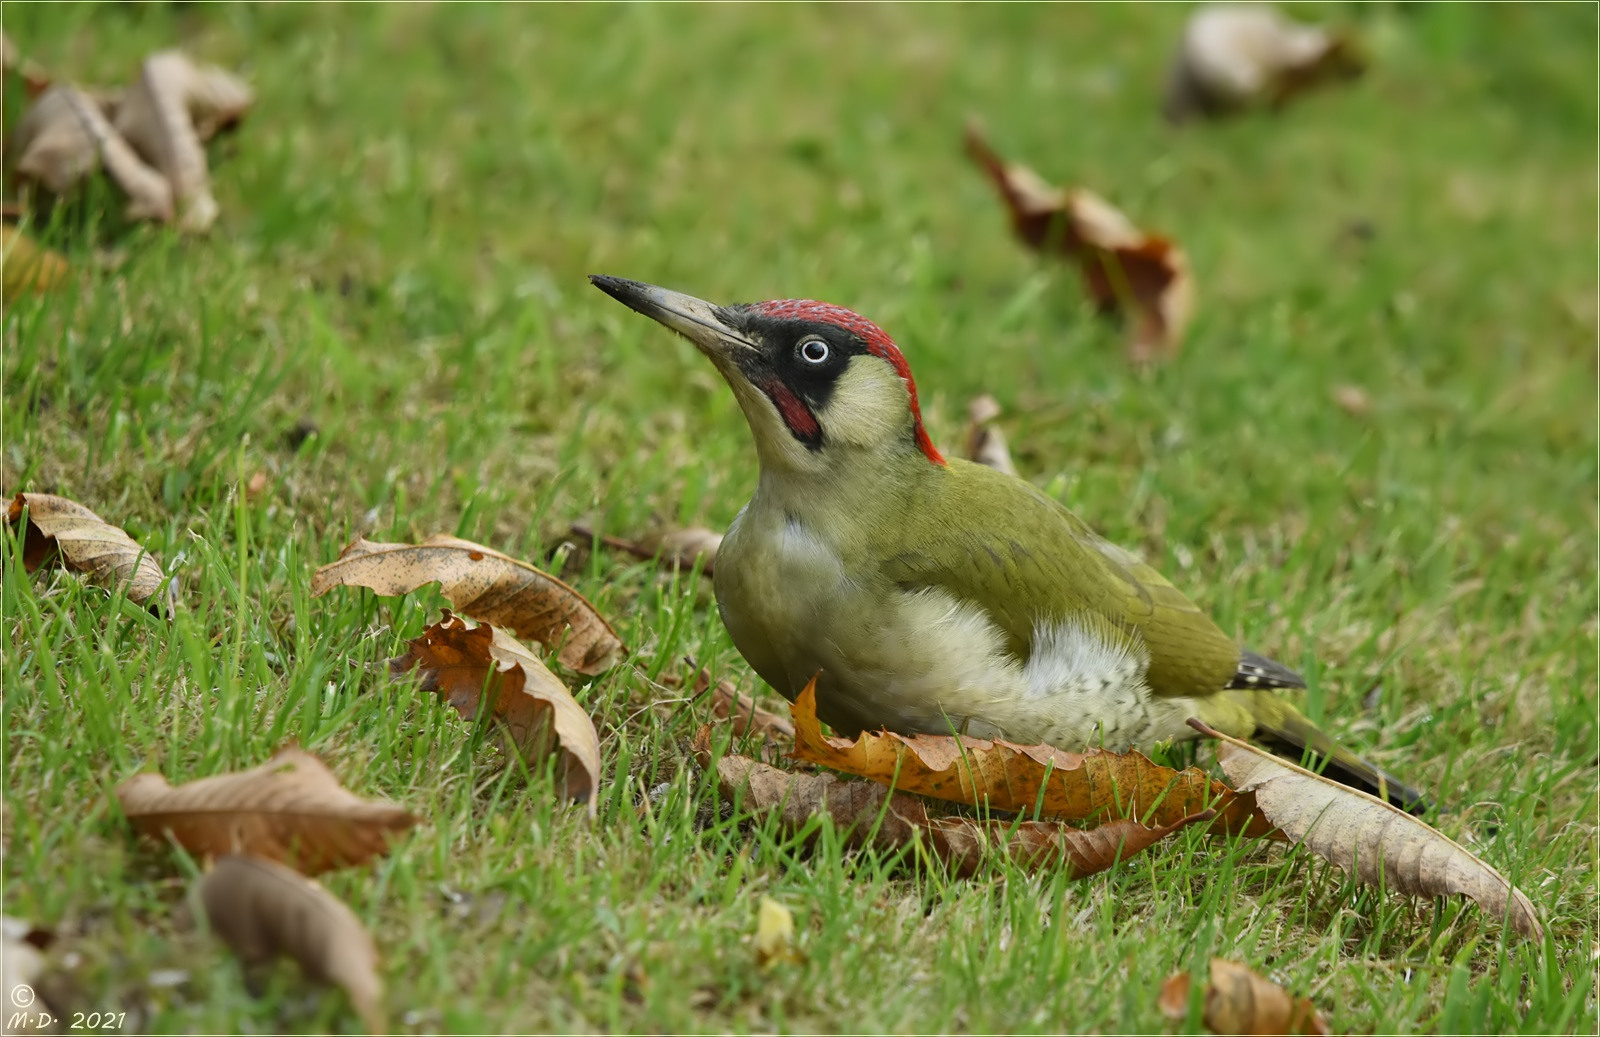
x,y
1145,276
465,665
290,809
167,115
1237,1001
65,136
486,585
262,909
1232,56
1090,786
1379,844
59,529
675,548
986,444
870,814
28,267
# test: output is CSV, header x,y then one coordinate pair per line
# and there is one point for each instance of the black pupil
x,y
815,351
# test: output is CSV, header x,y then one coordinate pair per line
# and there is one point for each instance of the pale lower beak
x,y
695,319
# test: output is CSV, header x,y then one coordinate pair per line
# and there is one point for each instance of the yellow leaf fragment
x,y
775,935
483,584
475,667
1379,844
26,266
290,809
262,909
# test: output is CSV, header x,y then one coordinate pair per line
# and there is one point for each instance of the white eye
x,y
814,351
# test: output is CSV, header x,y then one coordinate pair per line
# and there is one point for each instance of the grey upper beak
x,y
695,319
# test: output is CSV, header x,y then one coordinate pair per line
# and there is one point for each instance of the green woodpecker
x,y
933,595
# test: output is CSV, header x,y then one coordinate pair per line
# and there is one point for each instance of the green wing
x,y
1050,565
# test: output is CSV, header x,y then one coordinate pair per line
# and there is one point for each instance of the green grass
x,y
407,219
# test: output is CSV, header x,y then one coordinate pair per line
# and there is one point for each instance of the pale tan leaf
x,y
65,136
675,548
1233,56
465,665
1090,786
869,814
1353,400
21,966
486,585
58,528
986,444
1125,270
26,266
168,114
1237,1001
1377,843
262,909
290,809
775,935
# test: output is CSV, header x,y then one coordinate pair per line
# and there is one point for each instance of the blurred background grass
x,y
408,214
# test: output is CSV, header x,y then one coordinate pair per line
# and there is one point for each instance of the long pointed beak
x,y
695,319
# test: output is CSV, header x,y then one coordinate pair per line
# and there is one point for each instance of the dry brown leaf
x,y
539,713
1379,844
1145,276
167,115
675,548
261,909
28,267
728,701
1235,55
986,444
775,935
486,585
65,136
1237,1001
290,809
58,528
1090,786
871,815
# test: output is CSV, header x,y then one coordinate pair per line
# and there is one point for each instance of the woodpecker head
x,y
817,383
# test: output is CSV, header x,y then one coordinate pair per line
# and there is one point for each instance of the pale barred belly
x,y
924,662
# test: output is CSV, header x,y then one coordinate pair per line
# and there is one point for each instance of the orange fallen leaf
x,y
1381,845
1233,56
486,585
1124,269
290,809
262,909
1237,1001
1089,786
57,528
869,814
466,665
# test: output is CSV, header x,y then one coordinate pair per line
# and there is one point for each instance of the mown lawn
x,y
408,216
